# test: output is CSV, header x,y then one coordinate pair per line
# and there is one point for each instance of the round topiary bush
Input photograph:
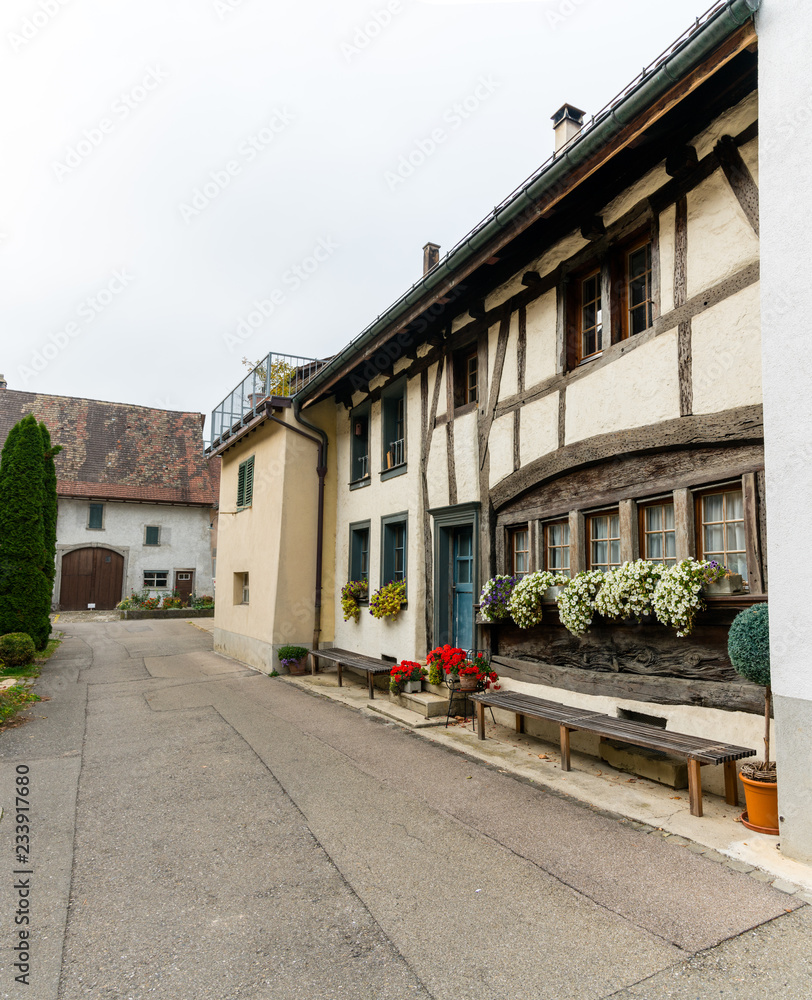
x,y
748,644
17,649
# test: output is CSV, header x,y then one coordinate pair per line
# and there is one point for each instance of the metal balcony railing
x,y
275,375
396,453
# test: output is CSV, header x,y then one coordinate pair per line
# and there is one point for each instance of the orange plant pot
x,y
762,806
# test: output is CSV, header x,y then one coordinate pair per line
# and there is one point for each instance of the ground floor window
x,y
519,549
658,539
721,535
359,551
604,541
155,578
557,547
393,548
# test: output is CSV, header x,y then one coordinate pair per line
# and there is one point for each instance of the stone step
x,y
424,703
396,712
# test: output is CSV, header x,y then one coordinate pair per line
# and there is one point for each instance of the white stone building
x,y
137,498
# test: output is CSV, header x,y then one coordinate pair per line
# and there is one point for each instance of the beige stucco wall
x,y
466,467
668,226
500,448
538,433
726,345
509,384
720,239
638,389
540,358
274,541
732,122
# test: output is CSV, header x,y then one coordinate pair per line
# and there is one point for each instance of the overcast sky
x,y
167,164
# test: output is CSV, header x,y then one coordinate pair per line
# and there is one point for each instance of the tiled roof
x,y
118,451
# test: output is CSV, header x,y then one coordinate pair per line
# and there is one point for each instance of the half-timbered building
x,y
574,385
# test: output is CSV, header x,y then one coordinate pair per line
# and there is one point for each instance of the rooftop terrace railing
x,y
275,375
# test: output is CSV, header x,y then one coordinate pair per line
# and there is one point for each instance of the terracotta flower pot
x,y
468,682
762,806
298,667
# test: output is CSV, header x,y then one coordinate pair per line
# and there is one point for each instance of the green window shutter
x,y
96,516
249,482
152,535
241,486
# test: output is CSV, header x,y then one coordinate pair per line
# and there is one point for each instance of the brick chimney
x,y
567,123
431,256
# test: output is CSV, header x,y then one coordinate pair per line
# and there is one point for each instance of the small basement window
x,y
651,720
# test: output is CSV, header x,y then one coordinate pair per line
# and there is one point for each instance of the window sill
x,y
361,483
460,411
398,470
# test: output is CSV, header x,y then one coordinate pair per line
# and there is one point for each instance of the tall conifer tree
x,y
25,589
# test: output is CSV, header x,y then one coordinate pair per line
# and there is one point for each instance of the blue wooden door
x,y
463,588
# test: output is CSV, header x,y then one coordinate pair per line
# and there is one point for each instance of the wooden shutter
x,y
249,482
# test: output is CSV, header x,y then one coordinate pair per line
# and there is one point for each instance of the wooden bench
x,y
343,658
696,750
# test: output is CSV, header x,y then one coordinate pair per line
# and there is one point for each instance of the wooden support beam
x,y
684,533
629,531
751,532
530,278
680,163
577,542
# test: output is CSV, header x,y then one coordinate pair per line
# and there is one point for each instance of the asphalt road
x,y
201,831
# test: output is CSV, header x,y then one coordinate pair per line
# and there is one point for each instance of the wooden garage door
x,y
91,576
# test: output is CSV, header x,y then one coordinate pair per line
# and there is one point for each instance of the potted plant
x,y
352,593
294,659
445,660
748,646
627,592
407,677
725,584
495,597
678,596
387,600
525,601
576,605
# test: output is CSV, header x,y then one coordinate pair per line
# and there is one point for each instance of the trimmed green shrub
x,y
748,644
17,649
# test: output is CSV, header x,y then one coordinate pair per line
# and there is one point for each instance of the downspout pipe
x,y
731,16
321,469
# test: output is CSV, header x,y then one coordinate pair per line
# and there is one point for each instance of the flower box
x,y
724,587
552,593
412,687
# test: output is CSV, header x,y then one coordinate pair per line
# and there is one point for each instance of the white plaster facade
x,y
785,169
184,541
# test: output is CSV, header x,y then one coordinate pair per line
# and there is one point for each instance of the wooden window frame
x,y
614,512
147,529
464,393
512,532
621,306
561,522
642,507
155,573
597,273
612,270
699,495
245,483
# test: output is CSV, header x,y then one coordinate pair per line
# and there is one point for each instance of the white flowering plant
x,y
678,596
576,606
525,601
628,591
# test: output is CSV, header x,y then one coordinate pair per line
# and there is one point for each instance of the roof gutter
x,y
690,54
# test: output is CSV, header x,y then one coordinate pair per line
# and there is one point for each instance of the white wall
x,y
185,540
785,156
